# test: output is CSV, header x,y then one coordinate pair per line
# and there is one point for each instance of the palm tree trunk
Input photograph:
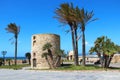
x,y
76,48
73,43
51,59
9,62
16,49
110,58
105,60
29,61
83,48
57,62
48,62
101,59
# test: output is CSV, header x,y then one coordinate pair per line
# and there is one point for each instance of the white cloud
x,y
88,44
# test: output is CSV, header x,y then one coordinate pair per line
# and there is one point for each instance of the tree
x,y
52,59
105,49
66,15
75,17
58,54
4,53
13,28
83,18
28,56
48,54
98,46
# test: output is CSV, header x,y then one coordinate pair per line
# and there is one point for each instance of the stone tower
x,y
38,41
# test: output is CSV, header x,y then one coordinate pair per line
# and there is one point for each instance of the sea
x,y
18,58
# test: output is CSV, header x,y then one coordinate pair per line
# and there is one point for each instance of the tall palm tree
x,y
13,28
83,18
28,56
66,15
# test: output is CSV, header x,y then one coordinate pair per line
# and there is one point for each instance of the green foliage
x,y
47,46
59,52
53,59
15,67
105,50
1,59
72,67
44,55
28,55
104,45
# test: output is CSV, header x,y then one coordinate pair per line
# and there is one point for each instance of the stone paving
x,y
8,74
25,74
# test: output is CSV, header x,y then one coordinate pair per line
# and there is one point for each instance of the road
x,y
9,74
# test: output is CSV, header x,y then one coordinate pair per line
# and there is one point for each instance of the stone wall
x,y
116,58
38,41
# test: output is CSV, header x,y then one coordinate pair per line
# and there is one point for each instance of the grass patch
x,y
72,67
15,67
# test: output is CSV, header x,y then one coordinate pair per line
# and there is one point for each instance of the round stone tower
x,y
38,41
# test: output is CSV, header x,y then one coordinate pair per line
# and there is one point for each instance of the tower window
x,y
34,37
34,43
34,54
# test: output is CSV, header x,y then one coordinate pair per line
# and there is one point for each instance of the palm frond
x,y
65,14
13,28
44,54
47,46
59,52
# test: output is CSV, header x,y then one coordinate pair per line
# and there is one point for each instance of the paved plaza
x,y
8,74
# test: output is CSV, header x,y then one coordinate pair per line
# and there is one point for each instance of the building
x,y
71,56
93,58
89,58
38,41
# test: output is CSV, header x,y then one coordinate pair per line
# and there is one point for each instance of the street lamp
x,y
4,53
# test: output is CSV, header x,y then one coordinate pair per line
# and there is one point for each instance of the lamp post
x,y
4,53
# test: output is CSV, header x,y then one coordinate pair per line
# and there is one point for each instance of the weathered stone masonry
x,y
38,41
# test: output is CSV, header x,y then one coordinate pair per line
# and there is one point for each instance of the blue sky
x,y
36,17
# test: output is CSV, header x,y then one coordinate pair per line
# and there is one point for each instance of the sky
x,y
37,17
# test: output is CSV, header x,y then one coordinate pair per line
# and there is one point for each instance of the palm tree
x,y
52,59
4,53
13,28
49,54
98,48
28,56
66,15
83,18
58,55
105,49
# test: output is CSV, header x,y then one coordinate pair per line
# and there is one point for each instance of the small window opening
x,y
34,37
34,43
